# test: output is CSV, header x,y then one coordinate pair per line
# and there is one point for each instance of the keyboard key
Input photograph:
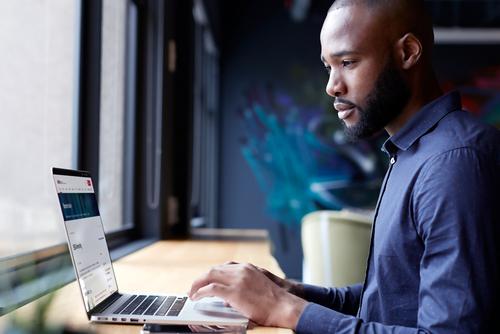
x,y
108,303
132,306
122,306
144,305
154,307
177,307
164,308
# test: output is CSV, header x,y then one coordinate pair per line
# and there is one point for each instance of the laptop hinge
x,y
106,303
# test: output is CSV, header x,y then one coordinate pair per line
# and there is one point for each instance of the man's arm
x,y
455,215
456,212
247,289
344,300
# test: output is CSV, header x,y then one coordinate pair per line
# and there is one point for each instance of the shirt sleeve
x,y
456,217
344,300
319,319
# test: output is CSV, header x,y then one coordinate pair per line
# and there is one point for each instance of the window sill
x,y
50,274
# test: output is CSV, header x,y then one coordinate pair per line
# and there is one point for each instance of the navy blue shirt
x,y
434,262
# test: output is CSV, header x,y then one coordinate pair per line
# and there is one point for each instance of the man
x,y
433,264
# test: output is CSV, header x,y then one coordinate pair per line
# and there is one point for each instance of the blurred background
x,y
282,150
197,118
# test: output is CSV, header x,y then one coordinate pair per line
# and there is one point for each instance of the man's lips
x,y
344,110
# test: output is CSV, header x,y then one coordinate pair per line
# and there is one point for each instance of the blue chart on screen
x,y
78,205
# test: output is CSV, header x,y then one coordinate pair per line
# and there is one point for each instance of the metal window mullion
x,y
216,120
197,139
130,114
202,133
155,115
90,88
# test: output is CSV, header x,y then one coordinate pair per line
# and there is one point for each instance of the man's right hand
x,y
252,292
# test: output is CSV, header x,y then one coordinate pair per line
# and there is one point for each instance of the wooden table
x,y
166,266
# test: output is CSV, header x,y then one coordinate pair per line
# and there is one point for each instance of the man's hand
x,y
253,292
291,286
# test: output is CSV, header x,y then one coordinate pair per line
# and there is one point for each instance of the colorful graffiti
x,y
301,159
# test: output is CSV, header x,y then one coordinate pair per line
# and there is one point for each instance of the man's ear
x,y
408,50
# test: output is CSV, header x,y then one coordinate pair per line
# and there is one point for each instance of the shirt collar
x,y
420,123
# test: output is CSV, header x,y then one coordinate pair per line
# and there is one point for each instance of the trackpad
x,y
216,308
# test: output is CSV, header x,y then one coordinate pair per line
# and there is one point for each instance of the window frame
x,y
158,29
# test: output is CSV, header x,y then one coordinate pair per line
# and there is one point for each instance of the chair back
x,y
335,246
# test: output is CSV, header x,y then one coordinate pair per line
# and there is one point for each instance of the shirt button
x,y
393,160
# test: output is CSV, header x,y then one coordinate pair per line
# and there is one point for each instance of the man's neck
x,y
414,105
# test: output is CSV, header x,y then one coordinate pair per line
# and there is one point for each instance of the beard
x,y
384,103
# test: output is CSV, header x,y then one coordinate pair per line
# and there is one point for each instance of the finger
x,y
211,290
214,275
197,284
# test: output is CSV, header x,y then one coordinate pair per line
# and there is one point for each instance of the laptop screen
x,y
86,239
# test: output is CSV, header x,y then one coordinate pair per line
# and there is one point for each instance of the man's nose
x,y
335,86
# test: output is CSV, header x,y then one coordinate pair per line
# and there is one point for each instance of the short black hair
x,y
412,13
379,3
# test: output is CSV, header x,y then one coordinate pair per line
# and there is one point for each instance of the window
x,y
113,113
68,95
206,123
38,119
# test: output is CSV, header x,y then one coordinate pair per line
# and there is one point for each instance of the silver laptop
x,y
95,275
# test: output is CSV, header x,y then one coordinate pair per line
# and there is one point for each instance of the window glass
x,y
37,118
112,113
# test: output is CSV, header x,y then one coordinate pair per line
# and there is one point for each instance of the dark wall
x,y
263,47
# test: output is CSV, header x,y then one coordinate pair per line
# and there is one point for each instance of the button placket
x,y
392,161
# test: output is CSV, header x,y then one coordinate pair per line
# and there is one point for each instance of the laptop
x,y
95,275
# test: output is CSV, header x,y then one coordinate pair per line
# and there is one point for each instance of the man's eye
x,y
328,69
347,63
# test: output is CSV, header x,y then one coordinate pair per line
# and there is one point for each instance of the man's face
x,y
365,81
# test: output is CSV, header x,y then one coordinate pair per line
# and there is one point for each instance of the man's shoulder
x,y
460,130
459,147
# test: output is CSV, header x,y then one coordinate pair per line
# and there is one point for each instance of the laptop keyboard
x,y
152,305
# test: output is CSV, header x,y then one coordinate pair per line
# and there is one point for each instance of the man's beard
x,y
384,103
